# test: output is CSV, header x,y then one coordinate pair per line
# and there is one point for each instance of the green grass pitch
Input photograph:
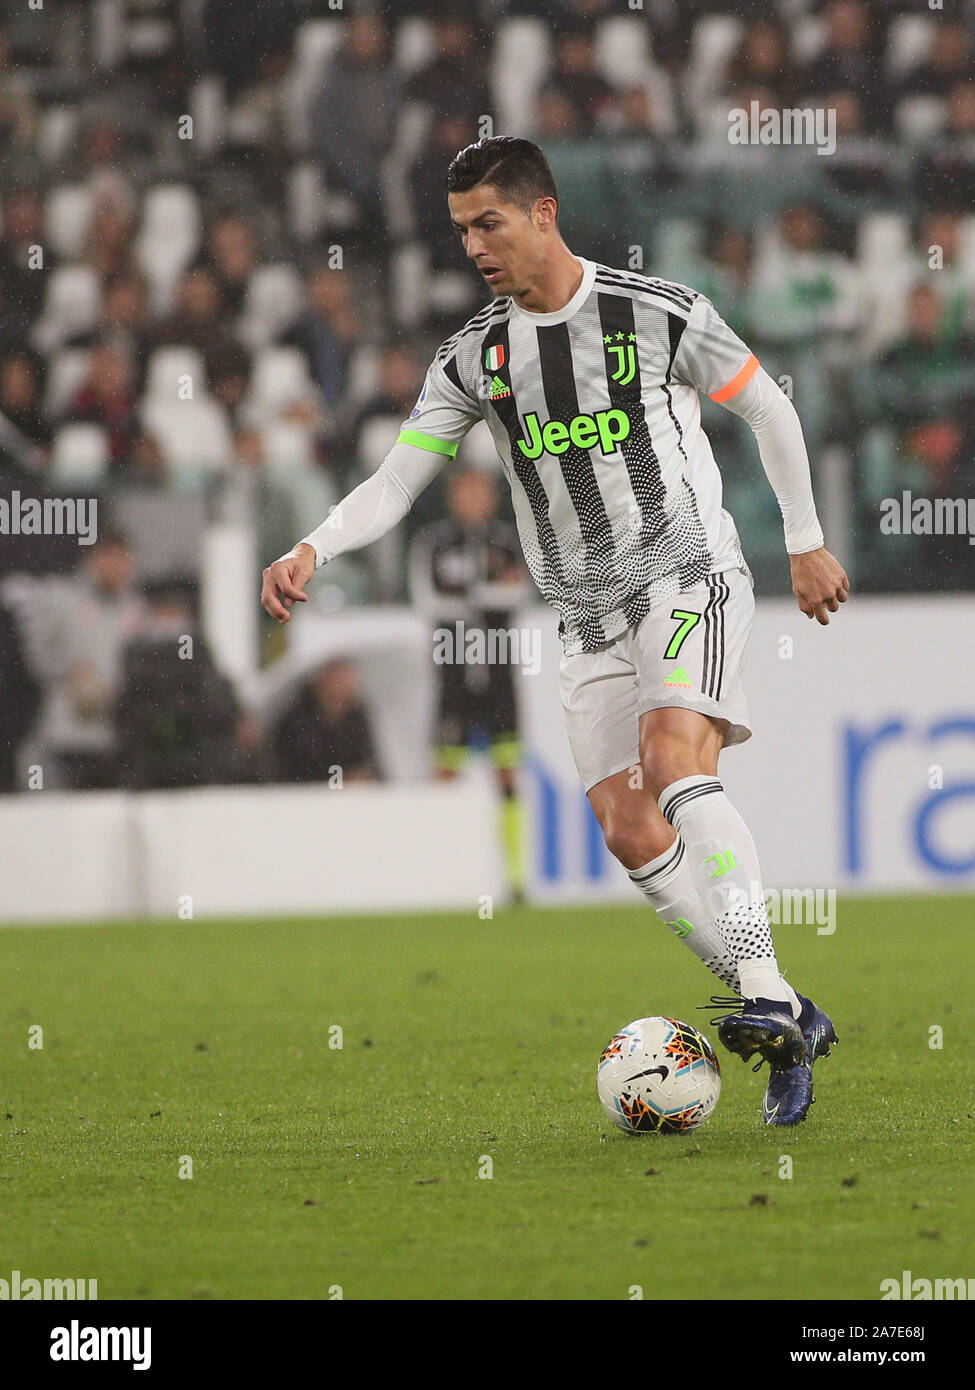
x,y
315,1167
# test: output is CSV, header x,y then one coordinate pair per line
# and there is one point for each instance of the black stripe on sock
x,y
679,799
667,867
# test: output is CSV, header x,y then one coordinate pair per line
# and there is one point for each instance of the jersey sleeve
x,y
711,356
444,412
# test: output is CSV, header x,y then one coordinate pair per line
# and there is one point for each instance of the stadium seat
x,y
883,242
808,37
623,50
677,248
168,238
768,245
363,374
885,316
520,60
478,450
315,41
410,284
66,373
917,118
376,438
167,368
288,447
193,436
279,380
79,455
908,41
275,298
663,104
72,306
208,108
412,131
414,44
67,214
57,130
966,245
450,293
715,39
886,269
306,197
165,530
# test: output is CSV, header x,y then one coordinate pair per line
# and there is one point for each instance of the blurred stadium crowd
x,y
285,251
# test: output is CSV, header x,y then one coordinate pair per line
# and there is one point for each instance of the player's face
x,y
504,242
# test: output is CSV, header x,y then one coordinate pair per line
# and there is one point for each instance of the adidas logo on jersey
x,y
499,389
679,678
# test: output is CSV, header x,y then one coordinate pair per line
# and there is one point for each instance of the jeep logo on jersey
x,y
607,428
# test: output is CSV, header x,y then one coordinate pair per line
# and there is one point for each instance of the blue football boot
x,y
762,1026
790,1046
790,1093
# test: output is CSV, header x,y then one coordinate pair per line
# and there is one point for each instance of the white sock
x,y
724,863
668,883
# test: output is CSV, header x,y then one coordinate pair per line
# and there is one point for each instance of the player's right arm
x,y
429,438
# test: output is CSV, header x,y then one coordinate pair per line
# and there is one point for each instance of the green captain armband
x,y
427,441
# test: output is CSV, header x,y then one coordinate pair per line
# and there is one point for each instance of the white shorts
x,y
687,652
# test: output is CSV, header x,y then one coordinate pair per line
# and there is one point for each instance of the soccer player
x,y
588,378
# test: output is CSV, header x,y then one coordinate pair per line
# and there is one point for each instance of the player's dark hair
x,y
516,168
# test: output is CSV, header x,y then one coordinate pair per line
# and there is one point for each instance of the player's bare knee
x,y
667,760
635,843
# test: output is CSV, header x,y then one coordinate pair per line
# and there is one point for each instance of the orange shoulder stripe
x,y
737,382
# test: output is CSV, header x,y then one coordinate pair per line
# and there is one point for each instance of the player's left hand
x,y
819,583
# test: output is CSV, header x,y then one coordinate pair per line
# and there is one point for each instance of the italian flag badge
x,y
494,358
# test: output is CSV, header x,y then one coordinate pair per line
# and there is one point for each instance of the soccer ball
x,y
658,1075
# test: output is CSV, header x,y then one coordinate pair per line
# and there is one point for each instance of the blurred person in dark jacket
x,y
455,78
246,38
177,714
230,255
125,318
851,59
326,734
944,178
198,318
328,331
22,289
468,579
359,78
930,366
575,77
450,131
762,60
400,377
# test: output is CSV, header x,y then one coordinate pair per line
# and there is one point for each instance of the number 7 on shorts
x,y
688,622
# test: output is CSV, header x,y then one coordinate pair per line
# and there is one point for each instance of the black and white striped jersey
x,y
595,412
